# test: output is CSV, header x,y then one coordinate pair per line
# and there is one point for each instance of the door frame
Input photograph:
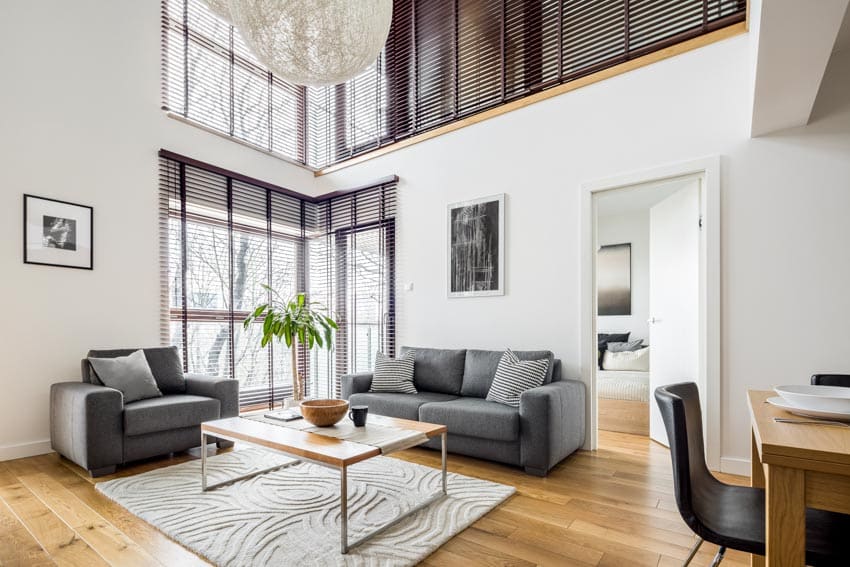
x,y
708,168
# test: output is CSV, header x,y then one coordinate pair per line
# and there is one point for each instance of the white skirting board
x,y
21,450
735,465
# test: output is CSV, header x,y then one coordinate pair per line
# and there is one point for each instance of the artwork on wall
x,y
614,280
476,239
57,233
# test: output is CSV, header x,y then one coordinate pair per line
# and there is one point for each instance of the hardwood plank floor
x,y
610,508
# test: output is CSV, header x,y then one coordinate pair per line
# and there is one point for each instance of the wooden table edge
x,y
210,428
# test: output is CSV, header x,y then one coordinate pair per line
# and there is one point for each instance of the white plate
x,y
818,398
783,404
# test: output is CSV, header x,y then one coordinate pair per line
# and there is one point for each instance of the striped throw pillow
x,y
393,374
515,376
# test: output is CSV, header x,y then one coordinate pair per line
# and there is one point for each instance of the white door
x,y
674,237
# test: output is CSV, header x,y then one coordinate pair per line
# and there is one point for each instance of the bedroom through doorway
x,y
647,298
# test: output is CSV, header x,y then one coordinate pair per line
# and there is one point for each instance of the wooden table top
x,y
815,447
328,450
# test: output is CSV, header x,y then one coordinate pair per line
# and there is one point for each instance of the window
x,y
224,235
443,61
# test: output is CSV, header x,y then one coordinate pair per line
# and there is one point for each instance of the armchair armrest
x,y
551,424
86,424
355,384
225,390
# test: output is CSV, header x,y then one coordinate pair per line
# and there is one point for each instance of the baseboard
x,y
735,465
21,450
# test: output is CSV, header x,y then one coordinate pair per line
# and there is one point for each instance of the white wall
x,y
631,227
784,198
81,122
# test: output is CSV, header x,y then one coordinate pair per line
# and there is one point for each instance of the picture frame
x,y
58,233
614,280
476,247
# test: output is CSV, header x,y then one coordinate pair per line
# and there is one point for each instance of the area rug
x,y
290,516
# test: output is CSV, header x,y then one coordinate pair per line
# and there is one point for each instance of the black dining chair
x,y
727,515
831,380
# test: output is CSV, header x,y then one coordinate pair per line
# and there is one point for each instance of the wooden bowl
x,y
324,413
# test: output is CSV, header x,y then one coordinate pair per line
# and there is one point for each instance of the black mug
x,y
358,415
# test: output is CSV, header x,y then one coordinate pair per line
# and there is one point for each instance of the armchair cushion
x,y
129,374
164,362
474,417
169,412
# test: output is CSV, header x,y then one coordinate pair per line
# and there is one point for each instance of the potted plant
x,y
294,321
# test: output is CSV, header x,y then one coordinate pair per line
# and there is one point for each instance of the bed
x,y
623,398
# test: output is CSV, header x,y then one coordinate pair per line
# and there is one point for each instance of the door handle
x,y
653,320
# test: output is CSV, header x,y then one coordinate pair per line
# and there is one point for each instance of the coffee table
x,y
319,449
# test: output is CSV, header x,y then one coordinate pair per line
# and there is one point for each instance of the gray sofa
x,y
92,426
452,386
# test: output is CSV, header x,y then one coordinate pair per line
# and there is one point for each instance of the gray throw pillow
x,y
394,374
130,374
515,376
636,344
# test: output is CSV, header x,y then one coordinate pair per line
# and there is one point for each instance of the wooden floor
x,y
611,507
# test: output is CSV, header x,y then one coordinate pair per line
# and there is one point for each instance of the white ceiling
x,y
637,198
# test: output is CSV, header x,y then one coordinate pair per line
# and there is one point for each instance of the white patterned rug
x,y
291,516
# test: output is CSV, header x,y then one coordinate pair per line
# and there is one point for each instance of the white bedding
x,y
622,385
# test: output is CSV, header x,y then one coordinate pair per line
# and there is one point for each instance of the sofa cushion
x,y
164,362
480,368
405,406
168,412
393,374
438,370
474,417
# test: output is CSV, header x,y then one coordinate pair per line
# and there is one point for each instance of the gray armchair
x,y
92,426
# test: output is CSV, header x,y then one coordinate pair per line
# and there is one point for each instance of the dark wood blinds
x,y
443,61
224,235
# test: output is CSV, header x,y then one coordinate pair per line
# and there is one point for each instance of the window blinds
x,y
443,61
223,236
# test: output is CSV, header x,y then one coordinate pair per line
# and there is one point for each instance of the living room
x,y
130,119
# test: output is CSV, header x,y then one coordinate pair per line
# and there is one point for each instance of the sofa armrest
x,y
225,390
86,424
355,384
552,422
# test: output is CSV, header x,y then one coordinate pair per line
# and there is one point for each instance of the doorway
x,y
651,292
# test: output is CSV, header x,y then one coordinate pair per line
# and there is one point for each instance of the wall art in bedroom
x,y
476,238
614,279
57,233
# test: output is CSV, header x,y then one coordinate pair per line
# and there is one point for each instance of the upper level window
x,y
443,61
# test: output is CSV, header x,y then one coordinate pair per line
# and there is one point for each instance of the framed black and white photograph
x,y
614,280
57,233
476,240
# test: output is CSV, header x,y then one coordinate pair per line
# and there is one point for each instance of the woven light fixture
x,y
311,42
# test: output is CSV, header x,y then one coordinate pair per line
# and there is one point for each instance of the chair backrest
x,y
831,380
680,409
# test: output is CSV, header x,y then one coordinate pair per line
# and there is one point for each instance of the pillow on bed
x,y
632,360
623,347
602,340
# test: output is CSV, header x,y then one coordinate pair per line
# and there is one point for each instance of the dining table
x,y
799,465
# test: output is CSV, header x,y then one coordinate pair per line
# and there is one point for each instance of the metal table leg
x,y
203,461
343,509
443,438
